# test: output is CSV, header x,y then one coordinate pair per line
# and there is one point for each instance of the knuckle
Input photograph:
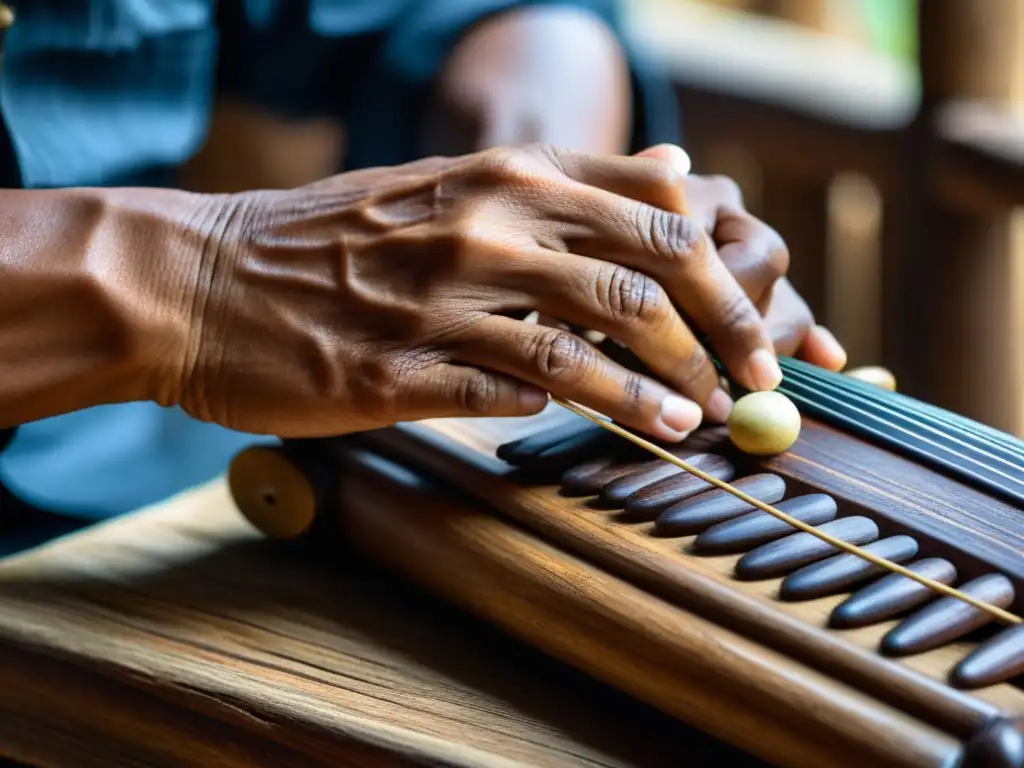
x,y
478,394
778,257
629,296
468,235
560,356
739,316
695,369
374,384
726,190
664,178
548,152
633,388
675,237
505,166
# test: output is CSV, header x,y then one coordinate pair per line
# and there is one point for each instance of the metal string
x,y
998,613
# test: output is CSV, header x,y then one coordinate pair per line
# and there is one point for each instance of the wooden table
x,y
175,636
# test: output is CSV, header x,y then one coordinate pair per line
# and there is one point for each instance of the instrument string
x,y
985,434
997,613
941,433
975,452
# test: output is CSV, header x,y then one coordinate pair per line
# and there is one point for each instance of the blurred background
x,y
883,138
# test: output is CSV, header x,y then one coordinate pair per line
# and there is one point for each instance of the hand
x,y
392,294
756,255
549,74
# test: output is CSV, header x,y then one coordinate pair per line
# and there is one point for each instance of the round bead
x,y
764,423
873,374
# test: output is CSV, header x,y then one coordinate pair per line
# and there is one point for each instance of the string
x,y
998,613
974,453
965,428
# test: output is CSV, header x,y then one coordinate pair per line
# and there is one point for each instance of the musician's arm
x,y
551,74
452,78
89,297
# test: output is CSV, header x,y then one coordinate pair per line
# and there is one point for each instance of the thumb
x,y
671,154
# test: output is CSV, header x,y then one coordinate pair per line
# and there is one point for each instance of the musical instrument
x,y
686,596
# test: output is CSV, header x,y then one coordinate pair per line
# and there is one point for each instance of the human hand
x,y
756,255
541,73
394,294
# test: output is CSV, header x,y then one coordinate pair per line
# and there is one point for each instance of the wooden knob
x,y
272,492
874,374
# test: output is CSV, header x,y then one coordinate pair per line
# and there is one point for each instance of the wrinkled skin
x,y
397,294
748,247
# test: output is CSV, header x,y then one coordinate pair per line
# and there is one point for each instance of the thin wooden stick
x,y
998,613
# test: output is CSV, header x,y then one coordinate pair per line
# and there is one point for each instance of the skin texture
x,y
395,294
401,293
91,292
559,76
378,296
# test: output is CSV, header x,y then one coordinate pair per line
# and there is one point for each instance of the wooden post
x,y
960,289
798,210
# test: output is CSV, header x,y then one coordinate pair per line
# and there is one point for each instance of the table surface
x,y
177,636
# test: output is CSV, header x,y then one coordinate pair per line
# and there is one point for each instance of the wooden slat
x,y
736,688
177,637
964,301
980,156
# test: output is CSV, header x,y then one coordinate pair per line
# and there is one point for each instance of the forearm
x,y
91,297
554,75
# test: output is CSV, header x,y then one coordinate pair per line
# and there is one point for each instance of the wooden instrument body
x,y
674,626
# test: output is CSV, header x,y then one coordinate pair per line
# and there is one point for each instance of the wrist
x,y
129,289
158,254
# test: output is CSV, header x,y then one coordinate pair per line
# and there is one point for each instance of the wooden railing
x,y
895,185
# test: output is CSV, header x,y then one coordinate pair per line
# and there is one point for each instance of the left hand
x,y
537,74
755,253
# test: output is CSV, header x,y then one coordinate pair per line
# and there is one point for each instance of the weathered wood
x,y
535,605
176,637
688,666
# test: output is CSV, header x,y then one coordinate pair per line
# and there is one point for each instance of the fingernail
x,y
718,407
763,370
679,414
679,160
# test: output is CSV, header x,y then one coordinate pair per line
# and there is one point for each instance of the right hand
x,y
398,294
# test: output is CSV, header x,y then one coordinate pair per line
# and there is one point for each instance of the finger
x,y
451,391
794,332
588,334
677,252
751,250
654,177
788,318
669,153
566,366
631,307
821,348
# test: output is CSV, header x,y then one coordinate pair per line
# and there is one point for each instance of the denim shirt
x,y
119,93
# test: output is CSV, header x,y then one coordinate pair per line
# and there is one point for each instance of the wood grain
x,y
728,685
177,637
457,452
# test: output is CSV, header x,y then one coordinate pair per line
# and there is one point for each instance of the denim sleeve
x,y
372,63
